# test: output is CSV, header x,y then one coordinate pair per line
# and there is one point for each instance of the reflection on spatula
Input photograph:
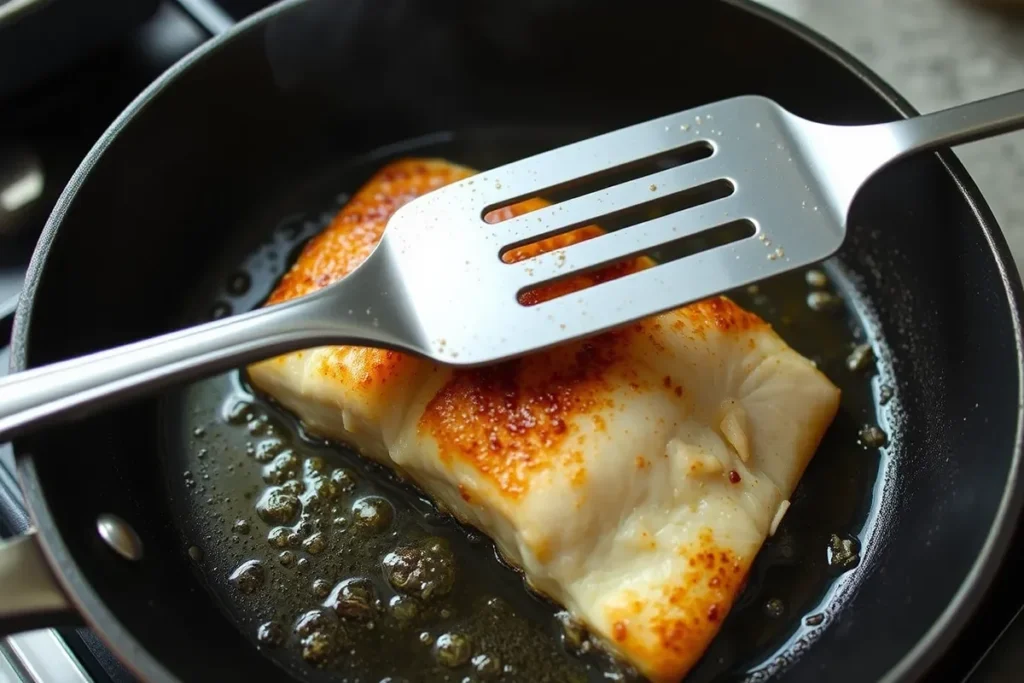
x,y
741,188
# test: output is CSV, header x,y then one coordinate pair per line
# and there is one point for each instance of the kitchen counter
x,y
940,53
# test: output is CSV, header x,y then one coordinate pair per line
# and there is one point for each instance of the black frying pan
x,y
229,161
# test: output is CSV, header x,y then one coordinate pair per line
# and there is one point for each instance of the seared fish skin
x,y
632,476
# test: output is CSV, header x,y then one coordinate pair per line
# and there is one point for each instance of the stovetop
x,y
45,131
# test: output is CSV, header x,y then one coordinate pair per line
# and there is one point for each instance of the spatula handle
x,y
957,125
847,156
83,385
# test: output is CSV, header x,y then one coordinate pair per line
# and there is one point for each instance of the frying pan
x,y
271,120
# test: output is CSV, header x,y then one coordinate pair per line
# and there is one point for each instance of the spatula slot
x,y
595,182
551,284
614,220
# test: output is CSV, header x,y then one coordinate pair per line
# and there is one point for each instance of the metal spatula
x,y
437,286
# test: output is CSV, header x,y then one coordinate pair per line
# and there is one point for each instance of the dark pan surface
x,y
264,126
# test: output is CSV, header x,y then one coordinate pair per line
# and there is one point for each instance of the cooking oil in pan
x,y
339,571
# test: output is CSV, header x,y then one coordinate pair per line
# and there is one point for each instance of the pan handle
x,y
30,597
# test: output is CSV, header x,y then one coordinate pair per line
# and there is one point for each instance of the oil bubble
x,y
873,437
315,544
321,588
452,650
220,310
317,649
248,576
774,608
270,634
277,507
239,283
236,412
311,622
353,599
372,513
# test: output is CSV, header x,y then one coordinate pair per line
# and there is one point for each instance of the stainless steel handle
x,y
851,155
30,596
80,386
357,309
958,125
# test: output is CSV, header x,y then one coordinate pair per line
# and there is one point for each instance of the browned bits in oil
x,y
774,608
286,558
277,507
315,544
843,553
241,526
873,437
353,599
885,394
293,487
270,634
317,649
321,588
248,576
302,564
814,619
860,358
452,649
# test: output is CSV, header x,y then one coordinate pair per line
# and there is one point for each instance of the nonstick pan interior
x,y
242,138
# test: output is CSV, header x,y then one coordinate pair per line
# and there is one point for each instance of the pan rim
x,y
913,664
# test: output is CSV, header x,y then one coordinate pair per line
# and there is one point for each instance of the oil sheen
x,y
338,571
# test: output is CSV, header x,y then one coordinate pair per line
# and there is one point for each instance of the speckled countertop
x,y
939,53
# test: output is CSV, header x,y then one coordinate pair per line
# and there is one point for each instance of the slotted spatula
x,y
436,286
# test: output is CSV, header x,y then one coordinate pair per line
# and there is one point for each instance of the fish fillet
x,y
633,476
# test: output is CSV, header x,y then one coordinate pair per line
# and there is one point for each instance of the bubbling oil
x,y
339,571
